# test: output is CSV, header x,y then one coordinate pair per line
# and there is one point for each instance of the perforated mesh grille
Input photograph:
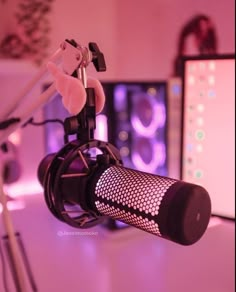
x,y
131,196
127,217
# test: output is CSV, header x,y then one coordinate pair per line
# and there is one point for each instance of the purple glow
x,y
158,118
14,205
55,138
120,93
101,132
24,188
158,158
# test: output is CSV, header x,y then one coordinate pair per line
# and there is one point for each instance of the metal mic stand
x,y
25,260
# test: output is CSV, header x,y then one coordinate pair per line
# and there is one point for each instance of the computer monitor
x,y
208,128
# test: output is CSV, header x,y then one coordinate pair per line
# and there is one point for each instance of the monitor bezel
x,y
184,60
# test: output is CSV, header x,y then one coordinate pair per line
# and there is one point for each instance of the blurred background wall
x,y
139,39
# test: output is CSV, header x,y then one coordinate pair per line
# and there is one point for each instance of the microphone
x,y
100,186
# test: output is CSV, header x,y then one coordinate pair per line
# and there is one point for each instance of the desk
x,y
67,259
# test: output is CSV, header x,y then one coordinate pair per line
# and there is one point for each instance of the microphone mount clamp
x,y
84,123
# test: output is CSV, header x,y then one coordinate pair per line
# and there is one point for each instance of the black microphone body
x,y
166,207
172,209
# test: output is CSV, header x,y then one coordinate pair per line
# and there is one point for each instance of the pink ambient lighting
x,y
157,160
14,205
24,188
101,132
158,120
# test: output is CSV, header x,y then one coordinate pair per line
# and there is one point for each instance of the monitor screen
x,y
208,128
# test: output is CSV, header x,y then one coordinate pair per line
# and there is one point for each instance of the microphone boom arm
x,y
73,59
